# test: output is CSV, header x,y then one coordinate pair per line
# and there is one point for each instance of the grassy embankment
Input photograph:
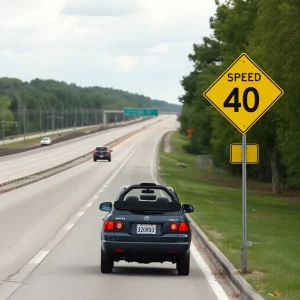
x,y
36,141
273,221
7,138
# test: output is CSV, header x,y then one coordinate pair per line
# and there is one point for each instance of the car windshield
x,y
147,200
101,149
148,195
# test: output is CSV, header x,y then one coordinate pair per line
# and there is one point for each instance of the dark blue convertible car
x,y
145,224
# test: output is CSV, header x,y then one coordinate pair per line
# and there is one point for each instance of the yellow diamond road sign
x,y
243,93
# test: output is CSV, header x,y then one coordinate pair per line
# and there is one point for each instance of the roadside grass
x,y
273,221
27,143
36,141
59,130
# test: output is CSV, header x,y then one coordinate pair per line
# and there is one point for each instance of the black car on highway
x,y
146,223
102,153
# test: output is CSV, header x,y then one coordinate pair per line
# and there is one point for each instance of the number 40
x,y
236,104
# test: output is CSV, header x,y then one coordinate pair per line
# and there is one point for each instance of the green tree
x,y
274,44
233,24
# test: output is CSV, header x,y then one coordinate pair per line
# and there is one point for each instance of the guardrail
x,y
66,130
56,169
34,177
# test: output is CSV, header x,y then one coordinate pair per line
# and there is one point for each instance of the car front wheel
x,y
107,263
183,265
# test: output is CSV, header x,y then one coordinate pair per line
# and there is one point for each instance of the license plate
x,y
101,155
145,229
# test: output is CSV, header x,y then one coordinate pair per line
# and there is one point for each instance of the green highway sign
x,y
140,112
148,112
131,112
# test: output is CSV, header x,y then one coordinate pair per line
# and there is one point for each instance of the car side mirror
x,y
106,206
187,208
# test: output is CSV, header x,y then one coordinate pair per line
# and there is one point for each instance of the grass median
x,y
24,144
29,142
273,221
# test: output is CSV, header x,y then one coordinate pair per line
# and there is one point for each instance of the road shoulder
x,y
227,275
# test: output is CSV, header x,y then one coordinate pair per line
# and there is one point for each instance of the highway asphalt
x,y
42,134
29,162
50,235
30,136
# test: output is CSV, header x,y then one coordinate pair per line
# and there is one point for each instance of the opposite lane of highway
x,y
30,162
30,136
70,268
31,215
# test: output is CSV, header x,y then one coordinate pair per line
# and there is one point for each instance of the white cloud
x,y
161,48
74,40
126,63
102,8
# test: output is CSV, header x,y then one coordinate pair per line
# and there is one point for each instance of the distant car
x,y
146,223
46,141
102,153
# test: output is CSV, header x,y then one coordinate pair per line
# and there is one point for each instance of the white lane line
x,y
121,167
154,157
79,139
69,226
100,191
216,287
39,257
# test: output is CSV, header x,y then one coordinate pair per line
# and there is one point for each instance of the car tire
x,y
109,159
183,265
107,263
95,159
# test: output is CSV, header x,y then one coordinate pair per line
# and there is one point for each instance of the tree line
x,y
269,32
49,104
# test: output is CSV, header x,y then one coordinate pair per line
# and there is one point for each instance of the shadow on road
x,y
143,271
94,270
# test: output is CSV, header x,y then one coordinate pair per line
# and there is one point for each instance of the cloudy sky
x,y
136,45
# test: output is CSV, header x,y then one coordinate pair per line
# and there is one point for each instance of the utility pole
x,y
24,122
62,120
3,124
40,119
53,119
68,117
75,124
47,118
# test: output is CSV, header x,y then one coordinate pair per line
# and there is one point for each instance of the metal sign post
x,y
244,196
